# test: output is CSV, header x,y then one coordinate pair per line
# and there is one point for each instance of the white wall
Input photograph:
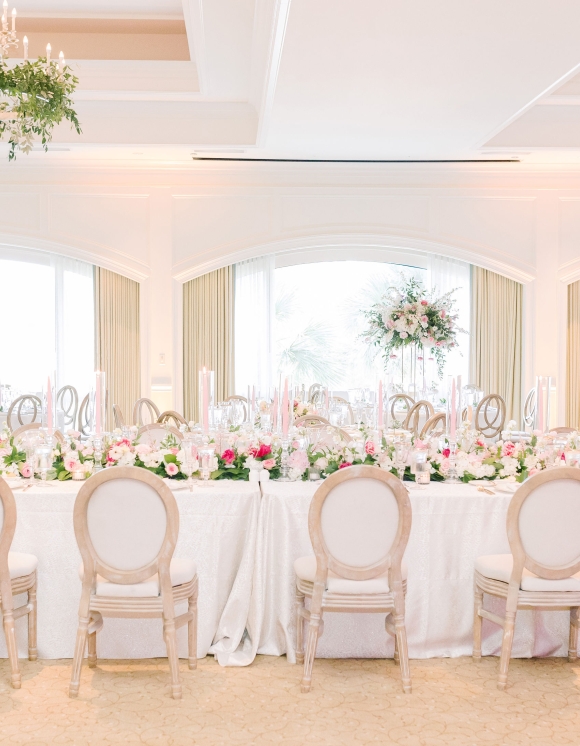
x,y
165,226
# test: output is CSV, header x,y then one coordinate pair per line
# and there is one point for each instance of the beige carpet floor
x,y
454,702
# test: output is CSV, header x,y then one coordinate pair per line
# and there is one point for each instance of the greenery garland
x,y
39,96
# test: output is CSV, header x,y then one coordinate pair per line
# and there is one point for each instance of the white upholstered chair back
x,y
543,524
126,524
359,522
155,433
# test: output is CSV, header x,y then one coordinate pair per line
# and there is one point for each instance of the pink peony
x,y
228,456
171,469
26,471
446,452
508,449
370,447
424,303
345,464
269,463
142,449
298,460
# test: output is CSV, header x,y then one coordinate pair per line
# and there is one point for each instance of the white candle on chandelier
x,y
25,43
5,15
61,61
13,19
48,49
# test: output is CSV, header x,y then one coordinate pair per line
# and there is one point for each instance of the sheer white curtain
x,y
451,274
254,319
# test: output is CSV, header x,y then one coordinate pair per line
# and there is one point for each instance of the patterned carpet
x,y
454,702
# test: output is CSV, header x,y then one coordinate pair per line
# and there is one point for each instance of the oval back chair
x,y
143,406
22,432
19,410
17,575
542,569
85,416
490,416
172,417
240,401
315,393
562,430
311,420
345,403
67,400
155,433
126,524
406,401
421,410
435,425
529,410
118,417
359,524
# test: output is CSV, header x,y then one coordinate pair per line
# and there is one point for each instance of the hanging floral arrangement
x,y
411,315
36,95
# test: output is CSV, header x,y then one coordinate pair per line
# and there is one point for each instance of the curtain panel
x,y
573,357
496,337
208,336
117,340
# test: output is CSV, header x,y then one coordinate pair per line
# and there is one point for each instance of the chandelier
x,y
35,95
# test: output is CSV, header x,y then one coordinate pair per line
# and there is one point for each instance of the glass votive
x,y
79,475
423,473
313,473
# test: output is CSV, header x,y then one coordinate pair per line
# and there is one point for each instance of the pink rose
x,y
26,471
228,456
171,469
424,319
424,303
446,452
142,448
174,451
508,449
345,464
269,463
370,447
70,464
443,314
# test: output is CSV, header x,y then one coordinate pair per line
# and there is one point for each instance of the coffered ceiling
x,y
317,79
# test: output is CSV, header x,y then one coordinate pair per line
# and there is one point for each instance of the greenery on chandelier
x,y
38,94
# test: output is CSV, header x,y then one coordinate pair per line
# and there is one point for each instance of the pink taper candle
x,y
205,397
275,411
380,403
97,403
453,410
540,404
49,421
285,412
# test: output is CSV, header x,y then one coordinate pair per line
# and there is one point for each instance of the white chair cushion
x,y
20,564
305,569
499,567
181,571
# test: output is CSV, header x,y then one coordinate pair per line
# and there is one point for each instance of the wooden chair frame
x,y
515,597
171,414
17,405
529,408
490,428
59,437
342,400
85,419
244,400
150,405
93,608
412,419
71,409
144,429
561,430
118,416
311,420
429,426
391,603
10,588
392,401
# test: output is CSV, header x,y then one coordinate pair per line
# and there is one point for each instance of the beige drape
x,y
496,337
208,336
573,357
117,340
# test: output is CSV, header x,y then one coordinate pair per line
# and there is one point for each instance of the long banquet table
x,y
218,526
245,544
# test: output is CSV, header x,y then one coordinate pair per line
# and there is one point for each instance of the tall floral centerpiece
x,y
411,318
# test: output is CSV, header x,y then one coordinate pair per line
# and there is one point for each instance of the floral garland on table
x,y
412,316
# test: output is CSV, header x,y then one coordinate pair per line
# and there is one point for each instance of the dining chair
x,y
434,425
172,416
421,409
347,404
243,401
311,420
20,407
25,430
17,575
118,417
529,408
155,433
85,424
404,400
145,405
359,523
315,393
67,400
543,569
562,430
126,525
490,416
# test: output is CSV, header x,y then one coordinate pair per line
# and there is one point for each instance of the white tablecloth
x,y
452,525
217,530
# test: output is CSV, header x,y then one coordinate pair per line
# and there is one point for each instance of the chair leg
x,y
299,607
506,648
477,623
573,645
310,652
401,641
192,633
396,656
81,641
92,657
10,632
171,643
32,624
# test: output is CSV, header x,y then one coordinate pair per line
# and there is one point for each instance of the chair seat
x,y
181,571
20,564
499,567
305,569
